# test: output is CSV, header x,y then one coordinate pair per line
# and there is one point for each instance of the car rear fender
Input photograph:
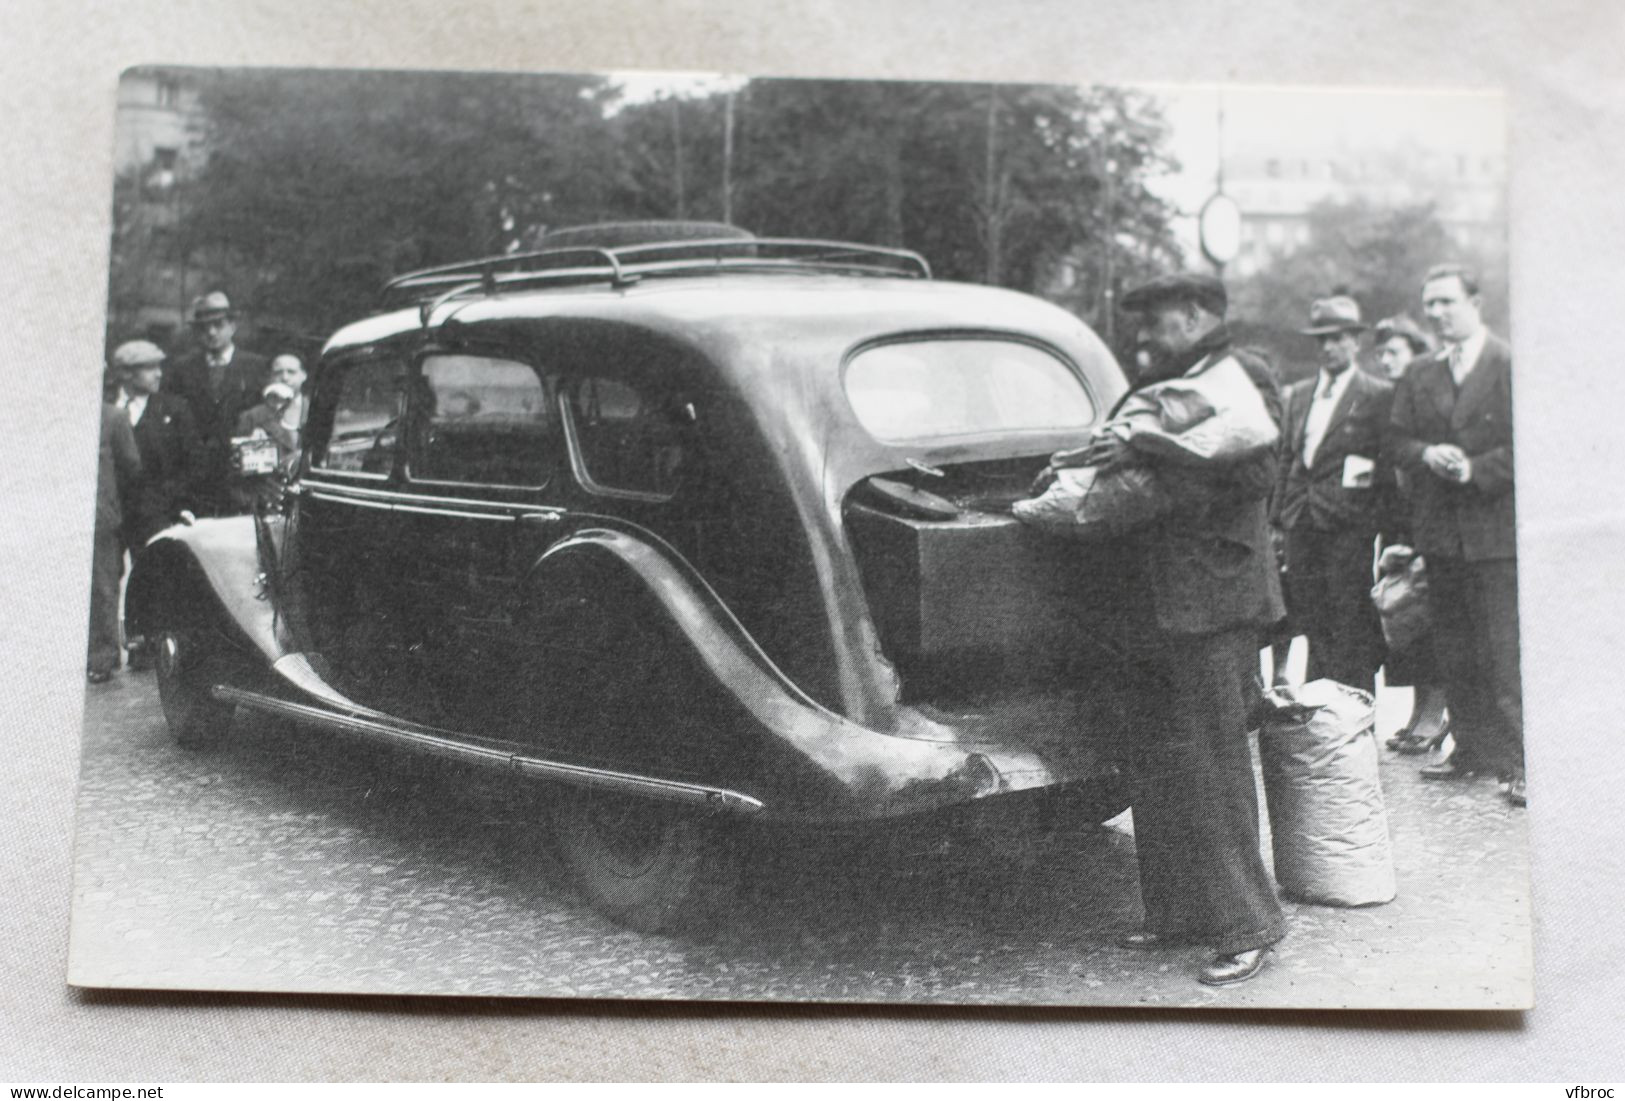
x,y
866,773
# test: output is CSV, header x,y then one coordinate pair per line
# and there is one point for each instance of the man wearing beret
x,y
1203,588
1451,432
220,382
1329,498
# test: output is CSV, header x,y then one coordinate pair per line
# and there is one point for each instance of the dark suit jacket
x,y
167,438
1209,567
187,377
1472,521
1314,497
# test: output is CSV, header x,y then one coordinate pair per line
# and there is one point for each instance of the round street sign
x,y
1220,227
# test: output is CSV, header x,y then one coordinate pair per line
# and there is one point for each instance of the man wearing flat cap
x,y
166,437
1330,498
1203,588
220,382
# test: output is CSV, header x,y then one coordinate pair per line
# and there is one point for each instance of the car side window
x,y
479,420
625,441
366,420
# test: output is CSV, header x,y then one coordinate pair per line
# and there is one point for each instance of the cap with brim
x,y
132,355
1180,287
1339,314
278,390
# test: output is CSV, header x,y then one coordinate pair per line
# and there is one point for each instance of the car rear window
x,y
920,390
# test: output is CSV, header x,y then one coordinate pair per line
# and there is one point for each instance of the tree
x,y
321,185
1003,184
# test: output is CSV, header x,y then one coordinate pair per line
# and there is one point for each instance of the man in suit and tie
x,y
1327,499
220,382
1451,431
1201,589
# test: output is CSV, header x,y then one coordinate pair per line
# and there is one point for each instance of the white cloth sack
x,y
1328,824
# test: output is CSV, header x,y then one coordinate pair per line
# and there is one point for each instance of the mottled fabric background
x,y
1559,61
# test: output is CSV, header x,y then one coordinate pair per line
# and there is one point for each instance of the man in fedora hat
x,y
1329,499
1451,432
220,382
1202,588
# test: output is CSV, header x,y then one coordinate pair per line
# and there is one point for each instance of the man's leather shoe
x,y
1233,968
1147,940
1448,769
1515,792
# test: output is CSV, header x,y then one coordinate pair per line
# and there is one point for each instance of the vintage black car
x,y
695,537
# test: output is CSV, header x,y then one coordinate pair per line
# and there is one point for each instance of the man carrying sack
x,y
1204,582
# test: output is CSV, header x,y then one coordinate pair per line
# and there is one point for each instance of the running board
x,y
438,743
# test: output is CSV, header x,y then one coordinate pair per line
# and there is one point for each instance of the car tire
x,y
195,718
648,865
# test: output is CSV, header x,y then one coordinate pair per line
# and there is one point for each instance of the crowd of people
x,y
1370,469
171,440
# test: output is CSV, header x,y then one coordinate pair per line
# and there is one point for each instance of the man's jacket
x,y
1209,567
1318,497
1474,521
216,409
167,439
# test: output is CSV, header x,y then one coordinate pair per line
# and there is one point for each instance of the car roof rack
x,y
625,265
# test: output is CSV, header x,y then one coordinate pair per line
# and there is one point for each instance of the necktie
x,y
1315,424
1455,362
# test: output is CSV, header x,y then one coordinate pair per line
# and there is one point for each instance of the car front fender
x,y
205,574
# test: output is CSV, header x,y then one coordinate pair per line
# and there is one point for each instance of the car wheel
x,y
196,719
651,866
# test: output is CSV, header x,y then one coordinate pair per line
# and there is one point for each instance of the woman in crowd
x,y
1399,340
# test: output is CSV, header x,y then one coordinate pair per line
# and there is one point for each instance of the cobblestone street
x,y
279,863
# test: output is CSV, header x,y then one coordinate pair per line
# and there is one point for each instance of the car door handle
x,y
540,519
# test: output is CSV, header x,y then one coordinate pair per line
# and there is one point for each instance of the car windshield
x,y
915,391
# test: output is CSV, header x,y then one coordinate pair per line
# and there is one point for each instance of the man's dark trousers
x,y
1330,582
106,571
1202,878
1475,638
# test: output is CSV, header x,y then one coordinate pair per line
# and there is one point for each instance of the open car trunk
x,y
969,602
